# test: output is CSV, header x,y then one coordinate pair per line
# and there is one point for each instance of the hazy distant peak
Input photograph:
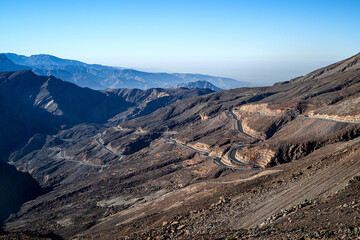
x,y
196,84
44,60
3,58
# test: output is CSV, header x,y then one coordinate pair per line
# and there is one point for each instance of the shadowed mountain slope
x,y
16,188
36,104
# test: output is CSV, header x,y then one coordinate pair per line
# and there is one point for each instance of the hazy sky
x,y
263,41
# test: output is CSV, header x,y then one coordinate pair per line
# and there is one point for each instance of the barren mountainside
x,y
248,163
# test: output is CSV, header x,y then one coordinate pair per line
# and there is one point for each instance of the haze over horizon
x,y
254,41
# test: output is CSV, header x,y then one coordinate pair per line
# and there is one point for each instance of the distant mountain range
x,y
100,77
196,84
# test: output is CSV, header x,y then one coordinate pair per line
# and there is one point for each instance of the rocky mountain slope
x,y
271,162
37,104
100,77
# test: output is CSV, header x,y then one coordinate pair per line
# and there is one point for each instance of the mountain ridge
x,y
101,77
349,64
39,104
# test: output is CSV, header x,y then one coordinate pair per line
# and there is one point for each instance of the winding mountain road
x,y
216,160
69,159
107,149
325,119
232,152
229,160
232,157
238,125
300,116
169,140
222,162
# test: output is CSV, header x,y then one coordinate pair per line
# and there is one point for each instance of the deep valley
x,y
185,163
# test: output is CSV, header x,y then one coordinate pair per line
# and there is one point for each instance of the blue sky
x,y
261,41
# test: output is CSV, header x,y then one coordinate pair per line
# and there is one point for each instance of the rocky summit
x,y
277,162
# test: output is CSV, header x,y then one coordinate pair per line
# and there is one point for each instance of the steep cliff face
x,y
294,150
263,109
259,156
